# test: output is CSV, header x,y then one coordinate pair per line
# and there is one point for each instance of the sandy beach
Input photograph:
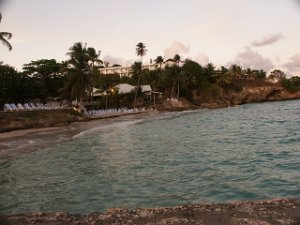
x,y
18,141
19,133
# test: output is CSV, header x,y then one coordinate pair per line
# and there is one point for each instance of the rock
x,y
270,212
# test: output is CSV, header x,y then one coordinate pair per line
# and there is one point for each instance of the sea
x,y
246,152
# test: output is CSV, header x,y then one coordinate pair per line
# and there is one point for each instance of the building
x,y
127,70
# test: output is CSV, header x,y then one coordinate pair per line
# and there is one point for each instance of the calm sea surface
x,y
245,152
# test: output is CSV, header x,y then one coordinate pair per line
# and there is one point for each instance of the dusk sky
x,y
261,34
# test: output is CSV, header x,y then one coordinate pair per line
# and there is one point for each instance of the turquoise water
x,y
245,152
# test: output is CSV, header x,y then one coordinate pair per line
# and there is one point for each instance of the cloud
x,y
176,48
268,40
293,65
253,60
201,58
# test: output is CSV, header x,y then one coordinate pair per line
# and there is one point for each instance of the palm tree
x,y
4,36
236,71
159,60
79,70
177,59
222,77
93,60
140,51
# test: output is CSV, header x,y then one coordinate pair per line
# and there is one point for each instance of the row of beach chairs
x,y
111,111
30,107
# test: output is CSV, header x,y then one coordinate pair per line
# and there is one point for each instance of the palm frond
x,y
7,35
5,42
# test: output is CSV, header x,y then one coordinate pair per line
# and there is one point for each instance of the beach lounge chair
x,y
42,106
20,107
26,106
32,106
14,107
7,108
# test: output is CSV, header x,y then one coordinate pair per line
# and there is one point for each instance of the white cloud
x,y
251,59
293,65
268,40
176,48
201,58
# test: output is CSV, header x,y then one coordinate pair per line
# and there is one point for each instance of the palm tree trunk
x,y
136,91
178,89
81,100
154,97
106,100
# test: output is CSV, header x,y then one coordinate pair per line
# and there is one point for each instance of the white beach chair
x,y
14,107
7,108
20,107
32,106
26,107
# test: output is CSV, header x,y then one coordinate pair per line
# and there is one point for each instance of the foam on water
x,y
105,128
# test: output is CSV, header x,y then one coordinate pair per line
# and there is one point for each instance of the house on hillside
x,y
127,70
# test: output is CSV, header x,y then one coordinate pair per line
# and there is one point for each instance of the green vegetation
x,y
140,51
292,84
5,36
76,78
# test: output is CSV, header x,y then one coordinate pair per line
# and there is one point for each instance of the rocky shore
x,y
268,212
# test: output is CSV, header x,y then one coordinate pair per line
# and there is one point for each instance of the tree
x,y
235,71
107,82
95,64
171,78
177,59
153,77
140,51
15,86
277,76
159,60
210,71
221,77
81,70
5,36
47,75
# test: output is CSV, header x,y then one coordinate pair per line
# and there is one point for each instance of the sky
x,y
261,34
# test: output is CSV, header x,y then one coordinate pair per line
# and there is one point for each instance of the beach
x,y
17,141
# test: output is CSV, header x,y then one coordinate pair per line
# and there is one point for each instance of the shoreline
x,y
26,131
257,212
26,140
23,132
171,108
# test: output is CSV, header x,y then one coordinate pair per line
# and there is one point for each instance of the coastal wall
x,y
269,212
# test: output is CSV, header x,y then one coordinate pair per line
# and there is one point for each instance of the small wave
x,y
171,115
119,125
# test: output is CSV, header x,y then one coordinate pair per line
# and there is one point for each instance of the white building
x,y
127,70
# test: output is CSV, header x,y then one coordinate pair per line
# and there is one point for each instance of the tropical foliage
x,y
77,78
5,36
82,71
140,51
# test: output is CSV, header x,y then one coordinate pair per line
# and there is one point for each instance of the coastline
x,y
20,133
259,212
26,140
13,121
